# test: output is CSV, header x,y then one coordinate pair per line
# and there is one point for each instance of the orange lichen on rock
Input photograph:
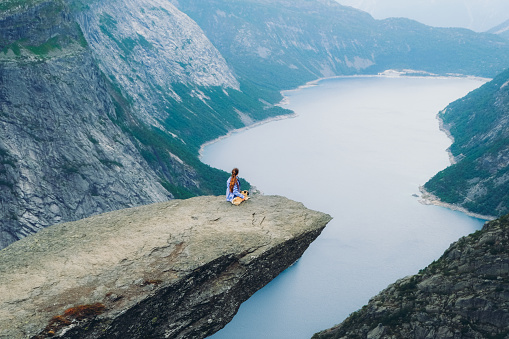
x,y
84,311
78,313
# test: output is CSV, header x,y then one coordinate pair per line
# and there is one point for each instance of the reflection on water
x,y
359,149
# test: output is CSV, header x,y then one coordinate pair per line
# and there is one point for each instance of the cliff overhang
x,y
177,269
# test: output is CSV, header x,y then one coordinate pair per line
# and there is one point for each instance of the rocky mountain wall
x,y
92,98
177,269
147,47
61,155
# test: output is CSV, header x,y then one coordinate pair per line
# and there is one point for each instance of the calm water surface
x,y
359,149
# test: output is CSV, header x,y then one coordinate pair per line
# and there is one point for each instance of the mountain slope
x,y
479,124
169,71
285,43
464,294
477,15
61,155
80,136
502,30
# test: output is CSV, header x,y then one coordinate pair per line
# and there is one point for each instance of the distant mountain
x,y
105,104
283,43
502,29
477,15
479,124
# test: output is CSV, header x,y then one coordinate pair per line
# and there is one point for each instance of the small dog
x,y
237,200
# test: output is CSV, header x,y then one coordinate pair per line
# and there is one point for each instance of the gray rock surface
x,y
464,294
82,109
177,269
148,47
62,156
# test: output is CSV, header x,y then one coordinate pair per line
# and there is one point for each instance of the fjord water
x,y
358,149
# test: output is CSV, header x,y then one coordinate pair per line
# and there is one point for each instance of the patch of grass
x,y
144,42
108,21
399,317
70,168
82,312
14,47
7,5
6,158
45,48
6,183
93,140
409,286
154,282
178,192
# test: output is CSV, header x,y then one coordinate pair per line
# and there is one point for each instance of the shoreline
x,y
245,128
428,198
385,74
441,126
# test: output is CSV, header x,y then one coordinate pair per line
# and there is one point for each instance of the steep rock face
x,y
296,39
479,125
177,269
464,294
169,71
61,155
149,46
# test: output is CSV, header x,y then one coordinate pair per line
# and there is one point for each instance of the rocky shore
x,y
428,198
177,269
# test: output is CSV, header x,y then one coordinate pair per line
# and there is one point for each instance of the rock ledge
x,y
177,269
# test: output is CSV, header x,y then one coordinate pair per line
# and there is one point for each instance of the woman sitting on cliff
x,y
233,194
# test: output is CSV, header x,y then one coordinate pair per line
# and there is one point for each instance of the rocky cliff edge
x,y
177,269
464,294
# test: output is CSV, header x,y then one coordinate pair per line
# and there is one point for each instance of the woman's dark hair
x,y
233,179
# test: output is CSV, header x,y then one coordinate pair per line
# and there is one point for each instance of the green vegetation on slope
x,y
8,5
219,114
283,44
46,32
479,124
160,150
